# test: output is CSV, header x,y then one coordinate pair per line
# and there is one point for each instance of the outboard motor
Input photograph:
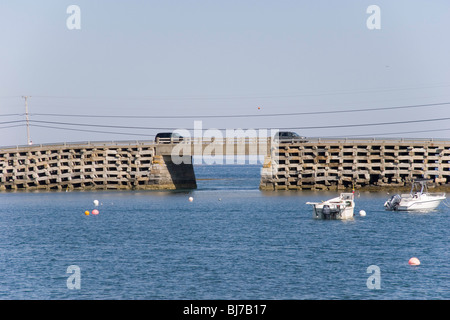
x,y
336,212
326,212
393,203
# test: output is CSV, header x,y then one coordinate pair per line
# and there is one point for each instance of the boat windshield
x,y
419,186
347,196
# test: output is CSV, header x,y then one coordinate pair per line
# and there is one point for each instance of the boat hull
x,y
419,205
419,199
337,214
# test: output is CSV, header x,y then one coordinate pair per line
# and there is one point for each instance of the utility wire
x,y
14,121
11,114
390,133
136,134
232,116
292,95
13,126
243,115
93,131
299,128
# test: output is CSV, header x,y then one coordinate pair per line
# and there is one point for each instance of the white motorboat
x,y
339,208
419,199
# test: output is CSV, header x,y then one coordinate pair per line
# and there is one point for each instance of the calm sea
x,y
231,242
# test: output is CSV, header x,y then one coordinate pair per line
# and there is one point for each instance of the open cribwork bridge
x,y
334,164
317,164
114,165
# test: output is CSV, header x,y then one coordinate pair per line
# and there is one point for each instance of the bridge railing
x,y
260,140
209,140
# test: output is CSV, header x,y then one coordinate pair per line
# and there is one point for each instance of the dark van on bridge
x,y
288,137
168,137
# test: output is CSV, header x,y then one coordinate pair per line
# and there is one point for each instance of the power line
x,y
244,115
232,116
11,114
51,125
299,128
272,96
14,121
93,131
391,133
370,124
13,126
137,134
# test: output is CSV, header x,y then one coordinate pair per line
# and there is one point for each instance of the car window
x,y
163,135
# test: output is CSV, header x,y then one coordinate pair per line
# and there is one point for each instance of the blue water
x,y
232,242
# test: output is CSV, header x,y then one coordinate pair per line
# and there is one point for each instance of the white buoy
x,y
191,199
96,203
362,213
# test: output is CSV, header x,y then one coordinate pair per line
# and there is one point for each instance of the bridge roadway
x,y
166,147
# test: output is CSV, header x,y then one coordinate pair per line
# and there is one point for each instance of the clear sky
x,y
197,59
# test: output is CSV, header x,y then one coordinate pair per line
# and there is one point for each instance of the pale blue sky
x,y
190,58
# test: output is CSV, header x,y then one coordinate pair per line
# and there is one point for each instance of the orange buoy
x,y
414,261
86,213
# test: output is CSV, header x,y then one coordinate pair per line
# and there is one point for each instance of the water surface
x,y
232,242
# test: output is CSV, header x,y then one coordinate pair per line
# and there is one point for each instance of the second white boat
x,y
419,199
339,208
